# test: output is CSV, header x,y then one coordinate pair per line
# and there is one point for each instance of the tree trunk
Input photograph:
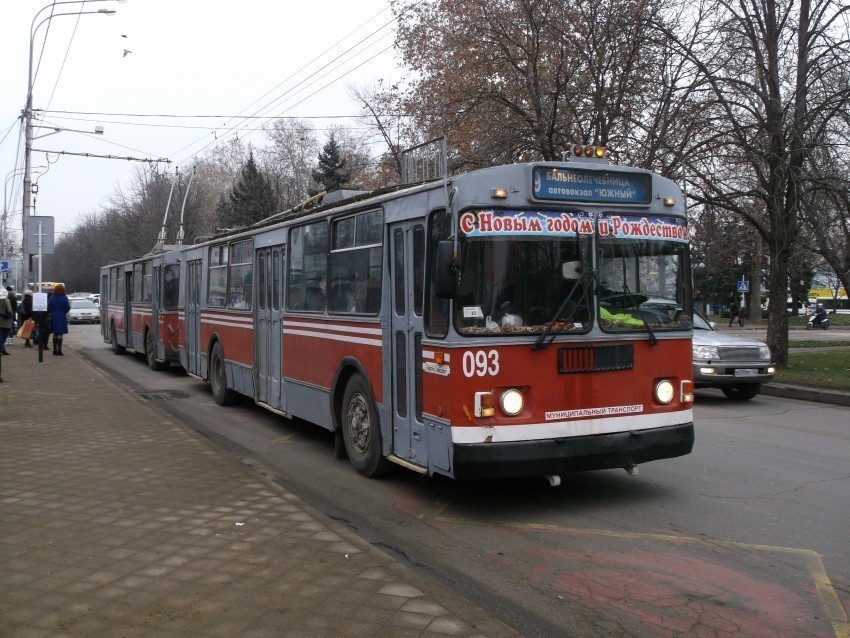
x,y
755,277
777,323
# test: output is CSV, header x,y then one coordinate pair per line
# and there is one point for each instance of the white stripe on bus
x,y
316,325
333,337
568,429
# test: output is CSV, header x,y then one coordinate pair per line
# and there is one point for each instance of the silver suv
x,y
736,365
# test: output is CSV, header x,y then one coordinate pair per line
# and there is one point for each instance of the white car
x,y
83,311
736,365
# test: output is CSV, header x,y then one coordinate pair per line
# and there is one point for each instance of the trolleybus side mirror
x,y
445,271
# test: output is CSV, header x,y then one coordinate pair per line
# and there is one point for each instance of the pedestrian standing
x,y
25,312
13,299
58,308
7,319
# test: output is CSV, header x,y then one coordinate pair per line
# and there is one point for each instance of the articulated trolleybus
x,y
530,319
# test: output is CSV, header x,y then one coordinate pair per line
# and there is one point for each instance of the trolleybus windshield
x,y
517,268
642,274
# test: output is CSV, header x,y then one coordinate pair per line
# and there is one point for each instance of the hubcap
x,y
358,423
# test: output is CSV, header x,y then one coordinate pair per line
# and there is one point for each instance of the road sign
x,y
743,286
4,266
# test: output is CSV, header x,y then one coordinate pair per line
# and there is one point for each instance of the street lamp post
x,y
28,127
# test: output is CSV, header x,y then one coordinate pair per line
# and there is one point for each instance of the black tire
x,y
113,339
150,353
361,432
218,378
741,392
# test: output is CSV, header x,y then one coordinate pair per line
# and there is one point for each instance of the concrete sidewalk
x,y
116,520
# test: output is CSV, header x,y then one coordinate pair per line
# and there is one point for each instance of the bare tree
x,y
769,70
523,79
288,159
827,209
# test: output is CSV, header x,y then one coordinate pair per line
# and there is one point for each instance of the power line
x,y
174,115
267,106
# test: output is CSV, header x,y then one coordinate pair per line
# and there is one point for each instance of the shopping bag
x,y
25,330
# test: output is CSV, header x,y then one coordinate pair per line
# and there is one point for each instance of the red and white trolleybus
x,y
138,306
529,319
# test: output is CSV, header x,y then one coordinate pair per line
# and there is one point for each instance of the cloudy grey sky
x,y
174,58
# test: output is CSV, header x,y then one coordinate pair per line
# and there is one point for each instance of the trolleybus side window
x,y
241,274
308,258
399,299
137,282
171,289
355,263
116,291
418,269
217,291
147,290
277,278
437,309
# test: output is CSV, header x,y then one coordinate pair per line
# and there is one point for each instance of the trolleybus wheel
x,y
113,338
150,353
361,431
741,392
218,378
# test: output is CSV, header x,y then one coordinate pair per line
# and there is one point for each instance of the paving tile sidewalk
x,y
115,520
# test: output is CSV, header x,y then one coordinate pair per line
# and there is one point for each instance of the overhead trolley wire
x,y
303,68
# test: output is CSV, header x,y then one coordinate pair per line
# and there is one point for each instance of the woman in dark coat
x,y
58,307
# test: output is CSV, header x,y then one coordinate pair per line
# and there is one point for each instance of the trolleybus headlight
x,y
511,402
664,391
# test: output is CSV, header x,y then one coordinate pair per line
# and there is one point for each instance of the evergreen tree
x,y
252,198
330,173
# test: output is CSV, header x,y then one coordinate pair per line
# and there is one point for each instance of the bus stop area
x,y
117,520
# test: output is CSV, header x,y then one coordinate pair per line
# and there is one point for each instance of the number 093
x,y
480,363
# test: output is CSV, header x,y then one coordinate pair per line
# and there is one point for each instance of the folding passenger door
x,y
156,302
192,324
408,268
268,296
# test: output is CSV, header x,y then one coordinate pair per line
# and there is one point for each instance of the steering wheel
x,y
625,300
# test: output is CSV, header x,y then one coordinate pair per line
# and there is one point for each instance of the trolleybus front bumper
x,y
574,454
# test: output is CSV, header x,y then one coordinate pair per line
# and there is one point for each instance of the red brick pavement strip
x,y
116,520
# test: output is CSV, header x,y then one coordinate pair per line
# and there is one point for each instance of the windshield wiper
x,y
551,332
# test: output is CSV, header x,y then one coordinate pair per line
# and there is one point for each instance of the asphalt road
x,y
748,535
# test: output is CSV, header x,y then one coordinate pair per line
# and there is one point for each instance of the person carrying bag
x,y
7,319
25,312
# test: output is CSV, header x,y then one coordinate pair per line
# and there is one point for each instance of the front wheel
x,y
742,392
113,338
218,378
150,353
361,432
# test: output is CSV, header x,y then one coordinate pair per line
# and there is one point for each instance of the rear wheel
x,y
361,432
113,338
742,392
150,353
218,378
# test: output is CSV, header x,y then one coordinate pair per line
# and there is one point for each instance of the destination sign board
x,y
582,185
